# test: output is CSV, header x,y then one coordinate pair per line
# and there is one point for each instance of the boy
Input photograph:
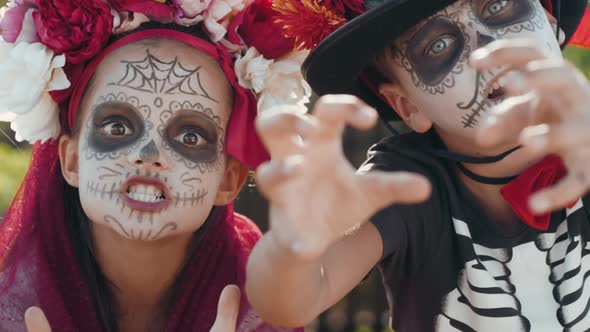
x,y
481,253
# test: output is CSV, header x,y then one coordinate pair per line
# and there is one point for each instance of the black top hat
x,y
336,64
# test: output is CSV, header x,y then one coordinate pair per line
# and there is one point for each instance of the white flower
x,y
285,84
277,82
41,123
28,32
253,70
29,72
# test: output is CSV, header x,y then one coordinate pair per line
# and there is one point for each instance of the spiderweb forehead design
x,y
160,77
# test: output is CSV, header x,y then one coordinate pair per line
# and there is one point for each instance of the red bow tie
x,y
539,176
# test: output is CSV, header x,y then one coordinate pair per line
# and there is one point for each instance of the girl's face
x,y
151,141
430,61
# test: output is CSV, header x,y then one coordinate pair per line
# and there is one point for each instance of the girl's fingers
x,y
36,321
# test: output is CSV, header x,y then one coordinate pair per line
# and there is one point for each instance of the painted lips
x,y
146,194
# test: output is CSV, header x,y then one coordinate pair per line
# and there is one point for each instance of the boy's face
x,y
430,60
151,147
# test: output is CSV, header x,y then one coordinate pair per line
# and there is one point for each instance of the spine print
x,y
568,256
484,299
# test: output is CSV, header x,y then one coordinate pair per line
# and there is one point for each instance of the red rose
x,y
77,28
259,29
162,12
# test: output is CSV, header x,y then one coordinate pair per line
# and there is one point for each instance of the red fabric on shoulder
x,y
538,177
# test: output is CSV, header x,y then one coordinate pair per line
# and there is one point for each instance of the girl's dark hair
x,y
80,231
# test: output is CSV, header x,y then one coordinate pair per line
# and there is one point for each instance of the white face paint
x,y
151,151
431,59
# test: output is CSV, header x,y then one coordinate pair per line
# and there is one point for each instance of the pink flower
x,y
126,21
77,28
190,11
159,11
217,17
17,21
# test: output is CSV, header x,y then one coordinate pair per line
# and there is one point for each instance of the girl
x,y
144,130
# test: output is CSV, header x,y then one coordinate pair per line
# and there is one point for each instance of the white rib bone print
x,y
569,259
536,286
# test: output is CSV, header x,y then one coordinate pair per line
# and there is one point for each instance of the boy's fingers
x,y
334,112
271,175
36,321
386,188
506,52
227,310
550,78
281,132
507,121
566,191
557,137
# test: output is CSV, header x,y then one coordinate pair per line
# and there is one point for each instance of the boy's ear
x,y
68,158
397,98
234,178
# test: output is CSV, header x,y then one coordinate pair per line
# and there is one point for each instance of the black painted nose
x,y
149,153
483,39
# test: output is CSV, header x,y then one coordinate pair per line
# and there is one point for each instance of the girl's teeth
x,y
139,190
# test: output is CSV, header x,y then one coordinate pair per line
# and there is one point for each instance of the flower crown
x,y
42,42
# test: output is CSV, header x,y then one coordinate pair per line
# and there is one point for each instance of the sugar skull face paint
x,y
151,147
431,58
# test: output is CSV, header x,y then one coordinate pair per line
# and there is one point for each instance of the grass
x,y
13,165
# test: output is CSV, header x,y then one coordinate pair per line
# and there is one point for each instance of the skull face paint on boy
x,y
430,60
151,147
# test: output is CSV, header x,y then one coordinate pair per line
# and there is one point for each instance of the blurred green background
x,y
362,310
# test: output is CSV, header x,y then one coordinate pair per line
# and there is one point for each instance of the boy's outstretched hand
x,y
550,114
315,194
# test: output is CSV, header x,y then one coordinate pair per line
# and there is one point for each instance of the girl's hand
x,y
36,321
227,313
227,310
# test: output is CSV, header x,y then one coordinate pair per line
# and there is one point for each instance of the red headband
x,y
241,141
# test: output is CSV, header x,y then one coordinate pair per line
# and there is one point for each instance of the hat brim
x,y
336,64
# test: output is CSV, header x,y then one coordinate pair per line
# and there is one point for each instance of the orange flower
x,y
308,21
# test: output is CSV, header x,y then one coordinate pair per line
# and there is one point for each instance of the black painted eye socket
x,y
495,7
502,13
193,135
440,45
115,125
191,138
435,49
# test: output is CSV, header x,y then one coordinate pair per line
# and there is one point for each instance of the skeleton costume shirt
x,y
448,267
